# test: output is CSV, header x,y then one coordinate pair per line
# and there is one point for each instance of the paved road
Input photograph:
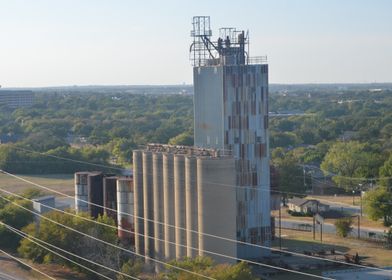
x,y
327,228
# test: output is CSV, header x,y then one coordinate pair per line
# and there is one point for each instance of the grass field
x,y
365,221
60,182
370,253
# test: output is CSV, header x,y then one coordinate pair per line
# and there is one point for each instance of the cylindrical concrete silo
x,y
191,206
217,206
138,199
148,204
158,204
81,192
168,201
179,205
125,206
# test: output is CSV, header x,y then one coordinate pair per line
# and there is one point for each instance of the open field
x,y
339,199
365,221
60,182
370,253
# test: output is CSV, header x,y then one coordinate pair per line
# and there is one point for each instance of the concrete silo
x,y
158,204
148,206
168,201
81,192
179,205
138,200
125,206
216,206
191,206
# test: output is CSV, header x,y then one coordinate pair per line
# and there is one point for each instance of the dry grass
x,y
370,253
60,182
343,199
365,221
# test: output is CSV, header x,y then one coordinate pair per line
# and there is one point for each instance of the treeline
x,y
107,127
15,159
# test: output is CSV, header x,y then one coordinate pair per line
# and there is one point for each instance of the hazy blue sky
x,y
82,42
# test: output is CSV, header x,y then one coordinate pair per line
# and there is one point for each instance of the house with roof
x,y
303,205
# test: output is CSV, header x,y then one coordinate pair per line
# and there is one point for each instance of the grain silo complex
x,y
182,198
183,183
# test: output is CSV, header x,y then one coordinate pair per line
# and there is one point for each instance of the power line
x,y
184,246
198,232
107,243
32,238
31,267
124,169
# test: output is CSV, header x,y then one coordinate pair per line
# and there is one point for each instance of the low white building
x,y
306,205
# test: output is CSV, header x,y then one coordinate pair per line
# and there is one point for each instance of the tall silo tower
x,y
231,113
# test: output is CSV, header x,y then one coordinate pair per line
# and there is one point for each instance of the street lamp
x,y
353,196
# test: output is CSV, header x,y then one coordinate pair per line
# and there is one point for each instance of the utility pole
x,y
280,226
314,227
360,195
359,227
321,232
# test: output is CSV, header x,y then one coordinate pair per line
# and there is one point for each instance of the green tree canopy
x,y
206,266
348,160
73,242
290,173
378,204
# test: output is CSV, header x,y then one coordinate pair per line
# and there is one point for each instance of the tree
x,y
290,174
73,242
344,226
16,217
386,173
184,138
132,267
378,204
207,267
348,160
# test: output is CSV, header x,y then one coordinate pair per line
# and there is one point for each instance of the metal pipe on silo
x,y
179,205
81,192
148,205
168,201
191,206
125,206
157,175
138,199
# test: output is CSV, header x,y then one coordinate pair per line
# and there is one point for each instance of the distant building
x,y
40,204
306,205
16,98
